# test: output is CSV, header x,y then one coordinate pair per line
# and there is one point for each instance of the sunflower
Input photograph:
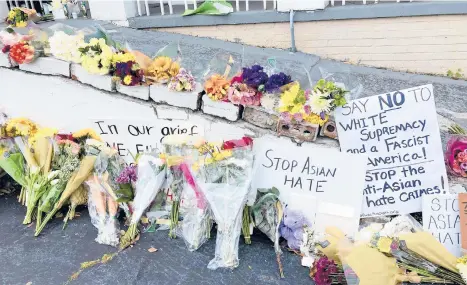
x,y
86,134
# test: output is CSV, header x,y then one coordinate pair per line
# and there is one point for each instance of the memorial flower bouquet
x,y
66,47
217,79
456,155
18,17
184,81
96,56
65,161
151,177
79,175
273,88
126,69
224,177
126,179
8,38
216,87
247,88
22,52
461,266
327,272
162,69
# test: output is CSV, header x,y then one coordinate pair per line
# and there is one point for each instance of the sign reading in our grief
x,y
130,137
441,219
398,132
310,176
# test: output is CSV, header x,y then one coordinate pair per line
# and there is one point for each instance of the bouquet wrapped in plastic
x,y
196,225
19,17
224,177
126,69
151,177
65,42
8,38
165,66
219,74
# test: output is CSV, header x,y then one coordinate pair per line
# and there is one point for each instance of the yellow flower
x,y
20,127
384,244
43,133
21,24
11,14
127,80
218,156
87,133
162,69
122,57
314,118
292,100
462,259
174,69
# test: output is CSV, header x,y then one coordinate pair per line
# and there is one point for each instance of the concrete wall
x,y
427,44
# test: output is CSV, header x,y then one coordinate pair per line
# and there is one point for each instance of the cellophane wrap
x,y
225,184
102,211
151,176
197,222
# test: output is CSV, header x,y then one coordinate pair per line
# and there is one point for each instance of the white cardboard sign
x,y
441,219
130,137
323,183
398,132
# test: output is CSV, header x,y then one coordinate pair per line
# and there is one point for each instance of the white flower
x,y
318,103
54,182
399,225
270,101
34,170
65,47
365,234
53,174
462,270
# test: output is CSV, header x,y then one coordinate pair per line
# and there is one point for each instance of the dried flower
x,y
216,87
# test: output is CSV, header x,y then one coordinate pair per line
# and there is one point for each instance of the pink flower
x,y
307,109
456,155
286,117
234,95
298,117
462,156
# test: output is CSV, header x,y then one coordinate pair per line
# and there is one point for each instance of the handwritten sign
x,y
463,220
441,219
399,134
130,137
310,175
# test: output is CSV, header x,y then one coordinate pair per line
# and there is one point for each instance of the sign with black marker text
x,y
441,219
322,183
398,132
130,137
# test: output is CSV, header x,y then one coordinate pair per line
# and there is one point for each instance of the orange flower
x,y
216,87
22,53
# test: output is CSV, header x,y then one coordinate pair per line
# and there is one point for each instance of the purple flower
x,y
254,76
276,81
322,115
286,117
307,109
298,117
127,175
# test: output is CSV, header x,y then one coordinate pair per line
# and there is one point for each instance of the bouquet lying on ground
x,y
224,177
8,38
18,17
151,177
247,88
65,47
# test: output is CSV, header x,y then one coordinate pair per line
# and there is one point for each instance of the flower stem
x,y
46,220
246,224
174,219
279,263
127,239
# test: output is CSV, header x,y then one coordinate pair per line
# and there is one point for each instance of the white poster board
x,y
441,219
130,137
323,183
398,132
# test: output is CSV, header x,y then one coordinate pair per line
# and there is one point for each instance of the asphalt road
x,y
54,256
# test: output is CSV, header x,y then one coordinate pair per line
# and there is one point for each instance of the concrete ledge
x,y
221,109
48,66
161,94
380,10
103,82
5,60
140,92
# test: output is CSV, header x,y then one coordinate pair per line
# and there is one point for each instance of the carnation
x,y
65,47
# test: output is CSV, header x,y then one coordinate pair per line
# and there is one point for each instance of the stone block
x,y
329,129
104,82
221,109
140,91
162,94
300,131
5,60
261,117
171,113
47,66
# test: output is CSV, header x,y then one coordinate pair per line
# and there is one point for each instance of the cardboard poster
x,y
323,183
463,220
441,219
398,132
